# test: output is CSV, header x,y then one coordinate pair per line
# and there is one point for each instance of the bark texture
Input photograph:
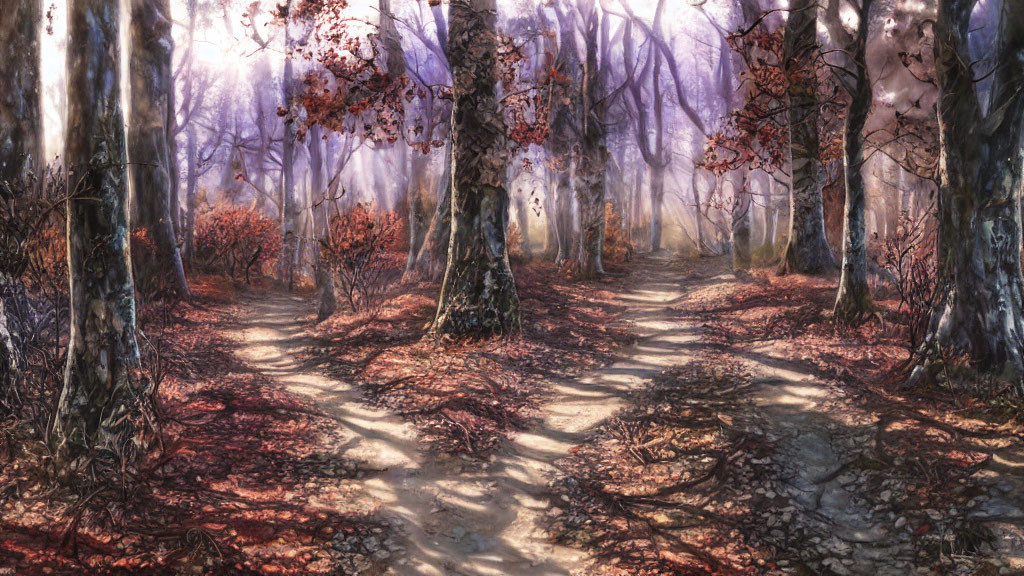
x,y
478,295
104,403
854,299
21,136
151,142
979,308
21,153
807,251
741,218
564,138
593,158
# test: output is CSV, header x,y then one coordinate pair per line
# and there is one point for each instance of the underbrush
x,y
246,481
236,241
466,397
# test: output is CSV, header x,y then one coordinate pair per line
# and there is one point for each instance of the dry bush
x,y
33,288
358,249
618,248
909,254
232,240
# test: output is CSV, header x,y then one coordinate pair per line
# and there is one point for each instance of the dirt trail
x,y
455,518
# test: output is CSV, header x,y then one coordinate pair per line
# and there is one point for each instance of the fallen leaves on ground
x,y
466,397
248,482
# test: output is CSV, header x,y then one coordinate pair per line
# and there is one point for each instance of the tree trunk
x,y
980,289
523,217
323,275
807,251
638,208
289,208
657,204
191,191
593,161
417,215
854,299
151,149
21,152
21,135
741,218
478,295
105,400
564,139
433,256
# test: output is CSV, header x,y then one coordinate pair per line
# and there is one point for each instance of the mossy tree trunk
x,y
854,299
478,295
151,143
981,292
105,401
807,251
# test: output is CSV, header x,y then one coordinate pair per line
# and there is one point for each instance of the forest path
x,y
459,518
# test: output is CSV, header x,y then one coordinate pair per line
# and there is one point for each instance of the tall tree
x,y
981,292
392,44
433,254
324,276
21,135
656,155
104,402
593,158
151,146
21,145
478,295
565,135
807,251
289,206
854,298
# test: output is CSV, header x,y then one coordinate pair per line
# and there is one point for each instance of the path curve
x,y
457,519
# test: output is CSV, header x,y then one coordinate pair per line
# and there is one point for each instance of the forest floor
x,y
673,420
782,445
481,511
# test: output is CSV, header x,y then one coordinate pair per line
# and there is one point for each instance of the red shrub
x,y
357,249
236,240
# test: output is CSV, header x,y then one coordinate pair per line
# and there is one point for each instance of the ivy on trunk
x,y
478,295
